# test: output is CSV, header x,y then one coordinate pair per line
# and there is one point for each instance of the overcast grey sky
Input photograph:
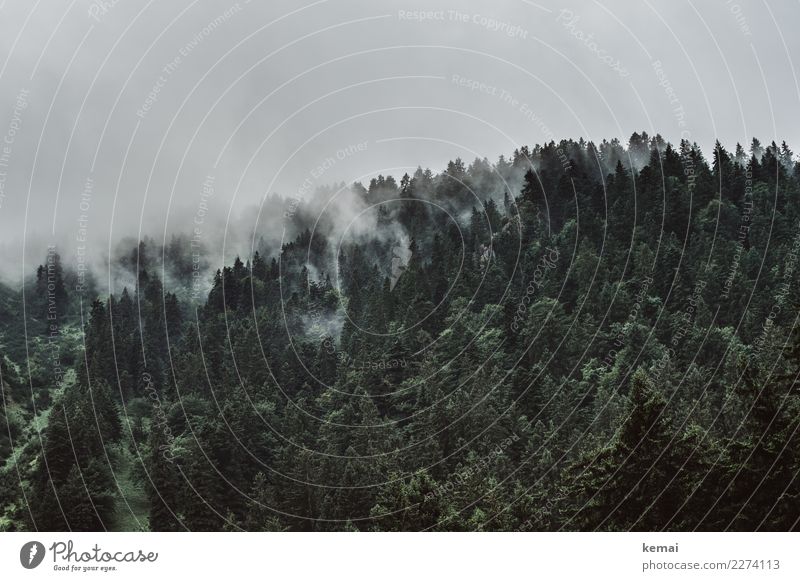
x,y
147,100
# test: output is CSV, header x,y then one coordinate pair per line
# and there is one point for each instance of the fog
x,y
122,119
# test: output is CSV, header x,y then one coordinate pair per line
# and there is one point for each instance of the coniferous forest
x,y
575,337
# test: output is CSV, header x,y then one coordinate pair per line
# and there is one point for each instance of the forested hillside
x,y
578,337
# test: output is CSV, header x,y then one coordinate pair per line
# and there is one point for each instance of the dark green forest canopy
x,y
578,337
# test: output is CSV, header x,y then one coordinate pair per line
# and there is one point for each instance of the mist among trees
x,y
576,337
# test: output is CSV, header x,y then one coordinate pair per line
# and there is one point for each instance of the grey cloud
x,y
148,100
